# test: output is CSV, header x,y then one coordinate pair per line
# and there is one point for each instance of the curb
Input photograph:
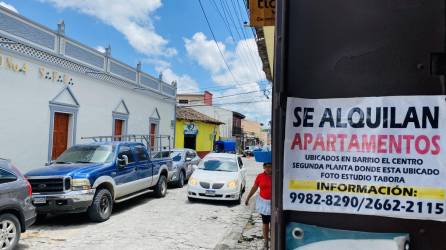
x,y
231,238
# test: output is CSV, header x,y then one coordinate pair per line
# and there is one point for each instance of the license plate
x,y
39,200
210,192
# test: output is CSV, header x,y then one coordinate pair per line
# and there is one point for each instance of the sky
x,y
171,38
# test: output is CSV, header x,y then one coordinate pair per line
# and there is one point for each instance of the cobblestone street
x,y
145,223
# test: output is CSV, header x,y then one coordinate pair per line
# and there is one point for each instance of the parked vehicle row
x,y
93,177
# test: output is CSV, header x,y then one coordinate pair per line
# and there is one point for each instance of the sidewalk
x,y
251,237
246,233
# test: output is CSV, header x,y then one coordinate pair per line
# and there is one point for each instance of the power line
x,y
229,103
226,7
245,3
227,10
237,94
242,102
244,93
231,86
226,22
238,9
215,40
252,56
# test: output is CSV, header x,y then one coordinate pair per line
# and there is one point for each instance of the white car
x,y
219,176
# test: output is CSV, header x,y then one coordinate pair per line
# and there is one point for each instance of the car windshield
x,y
175,155
87,154
218,164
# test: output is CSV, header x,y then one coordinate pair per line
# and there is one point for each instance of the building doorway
x,y
119,125
60,134
190,141
153,128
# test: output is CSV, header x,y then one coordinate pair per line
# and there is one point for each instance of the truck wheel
x,y
102,206
9,231
180,182
161,187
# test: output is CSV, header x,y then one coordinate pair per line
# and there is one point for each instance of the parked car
x,y
165,155
16,210
92,177
219,176
184,162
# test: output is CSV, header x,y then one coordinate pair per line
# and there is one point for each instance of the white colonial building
x,y
54,90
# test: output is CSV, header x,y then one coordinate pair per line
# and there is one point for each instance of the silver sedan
x,y
184,163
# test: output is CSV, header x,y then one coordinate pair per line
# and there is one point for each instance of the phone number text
x,y
361,203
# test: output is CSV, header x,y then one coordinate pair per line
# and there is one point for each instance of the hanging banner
x,y
372,155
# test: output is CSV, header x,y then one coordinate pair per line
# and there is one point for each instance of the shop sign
x,y
379,156
190,129
262,13
55,76
9,63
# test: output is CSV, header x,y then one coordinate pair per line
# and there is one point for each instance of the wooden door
x,y
118,128
152,135
60,134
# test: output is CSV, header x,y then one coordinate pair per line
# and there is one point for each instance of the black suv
x,y
16,209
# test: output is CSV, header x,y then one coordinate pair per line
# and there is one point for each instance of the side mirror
x,y
48,163
123,162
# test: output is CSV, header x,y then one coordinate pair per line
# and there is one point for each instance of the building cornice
x,y
41,48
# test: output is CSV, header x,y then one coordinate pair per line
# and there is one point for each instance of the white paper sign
x,y
380,156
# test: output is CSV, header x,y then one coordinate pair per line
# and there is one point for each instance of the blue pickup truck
x,y
92,177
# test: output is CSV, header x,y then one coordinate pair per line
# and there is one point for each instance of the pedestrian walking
x,y
263,202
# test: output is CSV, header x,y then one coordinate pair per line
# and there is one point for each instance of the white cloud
x,y
206,52
185,83
229,40
159,64
9,6
133,18
100,49
246,68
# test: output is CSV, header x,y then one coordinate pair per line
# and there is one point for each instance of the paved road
x,y
144,223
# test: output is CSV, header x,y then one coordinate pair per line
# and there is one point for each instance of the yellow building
x,y
196,131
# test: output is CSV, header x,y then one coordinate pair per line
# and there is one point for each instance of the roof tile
x,y
193,115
